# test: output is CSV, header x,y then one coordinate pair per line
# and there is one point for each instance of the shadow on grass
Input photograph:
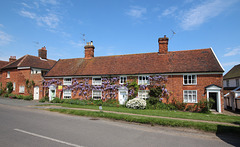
x,y
229,134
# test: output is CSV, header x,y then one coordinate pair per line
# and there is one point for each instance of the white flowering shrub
x,y
136,103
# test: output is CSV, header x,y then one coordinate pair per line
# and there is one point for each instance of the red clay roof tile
x,y
31,61
201,60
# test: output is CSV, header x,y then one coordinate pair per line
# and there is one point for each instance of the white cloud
x,y
4,38
1,25
169,11
203,12
53,2
233,52
136,12
28,14
26,5
50,20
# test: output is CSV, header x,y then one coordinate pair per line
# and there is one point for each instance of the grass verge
x,y
165,113
207,127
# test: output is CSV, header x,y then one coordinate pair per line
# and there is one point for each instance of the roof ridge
x,y
191,50
24,57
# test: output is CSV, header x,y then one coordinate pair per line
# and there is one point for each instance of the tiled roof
x,y
233,73
201,60
3,63
31,61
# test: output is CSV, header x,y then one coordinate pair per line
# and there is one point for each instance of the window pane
x,y
190,98
189,79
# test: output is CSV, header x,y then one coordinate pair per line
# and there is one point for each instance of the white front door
x,y
36,93
123,96
52,92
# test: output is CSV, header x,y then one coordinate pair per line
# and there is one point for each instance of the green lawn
x,y
165,113
159,121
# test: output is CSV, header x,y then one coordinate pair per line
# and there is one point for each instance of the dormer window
x,y
96,81
67,81
189,79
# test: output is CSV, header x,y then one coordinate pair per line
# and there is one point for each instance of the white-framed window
x,y
189,79
96,81
237,82
67,94
8,74
190,96
143,80
227,83
123,79
97,94
67,81
143,94
14,86
21,89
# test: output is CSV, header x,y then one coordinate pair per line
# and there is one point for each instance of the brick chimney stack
x,y
42,53
12,59
89,50
163,45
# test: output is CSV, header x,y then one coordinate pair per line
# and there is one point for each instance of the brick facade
x,y
174,85
19,77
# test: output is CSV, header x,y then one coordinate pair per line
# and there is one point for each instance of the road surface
x,y
23,126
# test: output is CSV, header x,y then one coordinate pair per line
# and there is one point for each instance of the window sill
x,y
191,102
189,84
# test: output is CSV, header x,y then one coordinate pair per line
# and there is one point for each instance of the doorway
x,y
36,93
213,95
52,92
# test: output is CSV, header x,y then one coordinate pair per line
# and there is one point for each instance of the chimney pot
x,y
12,59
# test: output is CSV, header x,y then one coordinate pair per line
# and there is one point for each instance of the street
x,y
24,126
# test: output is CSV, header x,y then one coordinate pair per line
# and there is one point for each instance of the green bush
x,y
55,100
1,91
9,87
19,96
160,106
153,100
5,95
190,108
42,100
46,98
12,96
28,97
155,92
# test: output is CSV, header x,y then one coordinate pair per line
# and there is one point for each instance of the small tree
x,y
29,86
9,87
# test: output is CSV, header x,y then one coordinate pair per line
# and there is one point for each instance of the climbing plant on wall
x,y
109,87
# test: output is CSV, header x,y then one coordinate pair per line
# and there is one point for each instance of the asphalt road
x,y
23,126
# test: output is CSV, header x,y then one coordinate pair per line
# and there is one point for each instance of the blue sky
x,y
119,27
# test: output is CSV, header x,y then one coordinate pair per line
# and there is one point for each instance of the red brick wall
x,y
174,85
19,77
